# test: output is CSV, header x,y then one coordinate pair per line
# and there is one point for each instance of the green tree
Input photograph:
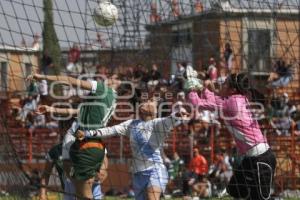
x,y
50,40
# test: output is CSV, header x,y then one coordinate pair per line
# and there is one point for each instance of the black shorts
x,y
254,177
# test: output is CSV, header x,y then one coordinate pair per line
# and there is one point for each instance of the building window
x,y
28,69
259,50
3,72
182,37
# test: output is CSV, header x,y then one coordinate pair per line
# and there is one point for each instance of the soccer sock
x,y
97,194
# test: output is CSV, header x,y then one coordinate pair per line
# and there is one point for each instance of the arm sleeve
x,y
164,125
161,128
98,88
209,100
120,129
94,86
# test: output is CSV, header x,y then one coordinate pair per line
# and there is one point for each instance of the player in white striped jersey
x,y
147,136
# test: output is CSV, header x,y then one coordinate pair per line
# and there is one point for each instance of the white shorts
x,y
69,139
154,177
69,191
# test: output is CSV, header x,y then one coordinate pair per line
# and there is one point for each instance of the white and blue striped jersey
x,y
146,139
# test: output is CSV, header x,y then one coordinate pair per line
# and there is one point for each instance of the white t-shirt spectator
x,y
213,73
43,88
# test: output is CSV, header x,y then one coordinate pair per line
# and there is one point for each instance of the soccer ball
x,y
105,14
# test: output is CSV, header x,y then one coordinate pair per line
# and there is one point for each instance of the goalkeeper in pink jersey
x,y
253,178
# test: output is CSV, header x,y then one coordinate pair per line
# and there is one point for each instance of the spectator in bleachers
x,y
47,62
36,42
212,70
220,171
209,121
202,189
221,78
129,73
40,121
101,73
154,74
43,91
228,56
198,6
175,171
138,72
33,88
176,167
282,125
282,119
179,76
198,168
281,76
73,59
190,72
180,96
43,88
139,77
282,106
30,105
204,117
152,87
166,159
297,122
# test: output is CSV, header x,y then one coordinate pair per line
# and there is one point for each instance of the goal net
x,y
154,47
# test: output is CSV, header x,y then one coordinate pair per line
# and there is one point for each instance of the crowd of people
x,y
81,156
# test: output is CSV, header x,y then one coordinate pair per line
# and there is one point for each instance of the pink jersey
x,y
237,117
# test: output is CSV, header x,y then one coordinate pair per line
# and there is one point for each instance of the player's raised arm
x,y
167,123
162,127
120,129
61,111
87,85
207,101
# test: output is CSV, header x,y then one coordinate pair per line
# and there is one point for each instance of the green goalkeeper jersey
x,y
98,108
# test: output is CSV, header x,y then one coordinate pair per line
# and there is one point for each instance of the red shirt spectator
x,y
198,164
198,6
74,54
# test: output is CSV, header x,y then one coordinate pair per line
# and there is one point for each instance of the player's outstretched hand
x,y
42,109
79,135
33,77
